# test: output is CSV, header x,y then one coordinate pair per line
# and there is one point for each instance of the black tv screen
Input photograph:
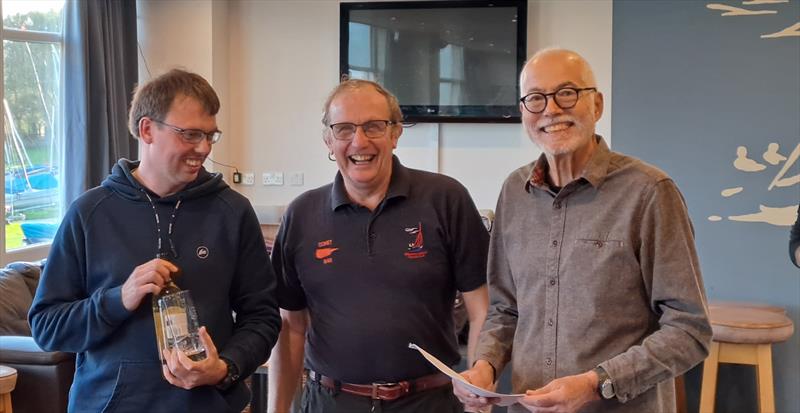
x,y
446,61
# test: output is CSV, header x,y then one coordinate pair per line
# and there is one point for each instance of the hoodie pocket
x,y
140,387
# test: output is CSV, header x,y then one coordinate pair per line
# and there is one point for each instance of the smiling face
x,y
365,164
561,131
169,162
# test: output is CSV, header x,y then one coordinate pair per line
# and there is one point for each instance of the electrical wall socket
x,y
295,178
248,178
272,178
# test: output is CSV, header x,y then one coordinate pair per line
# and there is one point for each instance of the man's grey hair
x,y
353,84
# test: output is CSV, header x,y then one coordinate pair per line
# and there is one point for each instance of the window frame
x,y
38,251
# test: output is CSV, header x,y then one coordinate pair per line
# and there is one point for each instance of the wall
x,y
282,59
191,35
691,87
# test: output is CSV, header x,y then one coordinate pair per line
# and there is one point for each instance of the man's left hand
x,y
181,371
563,395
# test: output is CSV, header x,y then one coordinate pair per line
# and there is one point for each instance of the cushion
x,y
23,350
749,324
30,272
18,283
15,301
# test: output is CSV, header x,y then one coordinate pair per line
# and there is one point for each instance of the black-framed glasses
x,y
373,129
193,136
565,98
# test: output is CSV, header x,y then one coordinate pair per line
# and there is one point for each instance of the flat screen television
x,y
446,61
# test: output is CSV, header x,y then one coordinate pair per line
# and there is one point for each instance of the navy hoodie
x,y
105,234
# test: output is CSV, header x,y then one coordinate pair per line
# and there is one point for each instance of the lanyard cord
x,y
173,253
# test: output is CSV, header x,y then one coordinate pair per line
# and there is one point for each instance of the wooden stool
x,y
8,380
743,334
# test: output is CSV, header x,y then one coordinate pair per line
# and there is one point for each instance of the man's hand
x,y
187,374
563,395
481,375
147,278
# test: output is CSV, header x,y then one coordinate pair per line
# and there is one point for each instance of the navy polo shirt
x,y
374,281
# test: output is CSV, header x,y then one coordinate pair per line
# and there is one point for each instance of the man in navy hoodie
x,y
119,243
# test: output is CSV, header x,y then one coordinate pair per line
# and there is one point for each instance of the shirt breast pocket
x,y
598,256
599,244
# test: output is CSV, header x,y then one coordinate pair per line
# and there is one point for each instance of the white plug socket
x,y
272,178
248,178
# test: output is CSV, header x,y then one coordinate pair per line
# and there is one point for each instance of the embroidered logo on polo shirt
x,y
416,249
325,251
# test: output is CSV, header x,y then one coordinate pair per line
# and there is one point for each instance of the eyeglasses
x,y
565,98
373,129
194,136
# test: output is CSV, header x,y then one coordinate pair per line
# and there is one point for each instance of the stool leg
x,y
766,395
680,395
5,403
709,386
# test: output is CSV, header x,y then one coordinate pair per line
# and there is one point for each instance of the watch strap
x,y
231,376
604,381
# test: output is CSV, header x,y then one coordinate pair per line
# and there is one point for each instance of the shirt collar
x,y
399,185
594,172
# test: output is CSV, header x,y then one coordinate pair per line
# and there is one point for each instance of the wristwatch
x,y
605,386
230,377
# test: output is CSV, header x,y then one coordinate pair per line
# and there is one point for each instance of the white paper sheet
x,y
505,399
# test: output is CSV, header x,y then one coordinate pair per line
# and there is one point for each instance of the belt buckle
x,y
386,386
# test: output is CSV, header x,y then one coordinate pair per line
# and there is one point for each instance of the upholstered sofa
x,y
43,378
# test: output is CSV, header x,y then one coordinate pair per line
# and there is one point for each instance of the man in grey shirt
x,y
596,295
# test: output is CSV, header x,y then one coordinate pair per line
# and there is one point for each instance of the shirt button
x,y
557,205
548,361
372,235
550,322
599,244
555,243
552,281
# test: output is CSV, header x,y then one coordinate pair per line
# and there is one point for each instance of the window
x,y
451,75
31,129
367,48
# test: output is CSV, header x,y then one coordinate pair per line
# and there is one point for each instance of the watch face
x,y
607,389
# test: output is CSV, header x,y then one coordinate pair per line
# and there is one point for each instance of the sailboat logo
x,y
416,249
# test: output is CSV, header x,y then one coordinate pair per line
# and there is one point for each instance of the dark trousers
x,y
319,399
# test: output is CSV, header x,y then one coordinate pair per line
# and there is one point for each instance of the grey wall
x,y
690,86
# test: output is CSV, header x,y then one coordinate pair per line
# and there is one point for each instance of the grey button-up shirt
x,y
603,273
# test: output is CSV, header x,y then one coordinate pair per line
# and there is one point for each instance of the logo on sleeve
x,y
325,251
416,249
202,252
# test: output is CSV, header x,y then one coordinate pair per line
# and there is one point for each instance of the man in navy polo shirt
x,y
372,262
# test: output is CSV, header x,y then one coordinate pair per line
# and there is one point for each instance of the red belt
x,y
383,391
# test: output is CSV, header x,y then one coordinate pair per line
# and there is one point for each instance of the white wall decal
x,y
779,216
793,30
737,11
772,155
731,191
743,163
783,216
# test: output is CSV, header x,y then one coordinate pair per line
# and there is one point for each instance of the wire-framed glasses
x,y
565,98
193,136
373,129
